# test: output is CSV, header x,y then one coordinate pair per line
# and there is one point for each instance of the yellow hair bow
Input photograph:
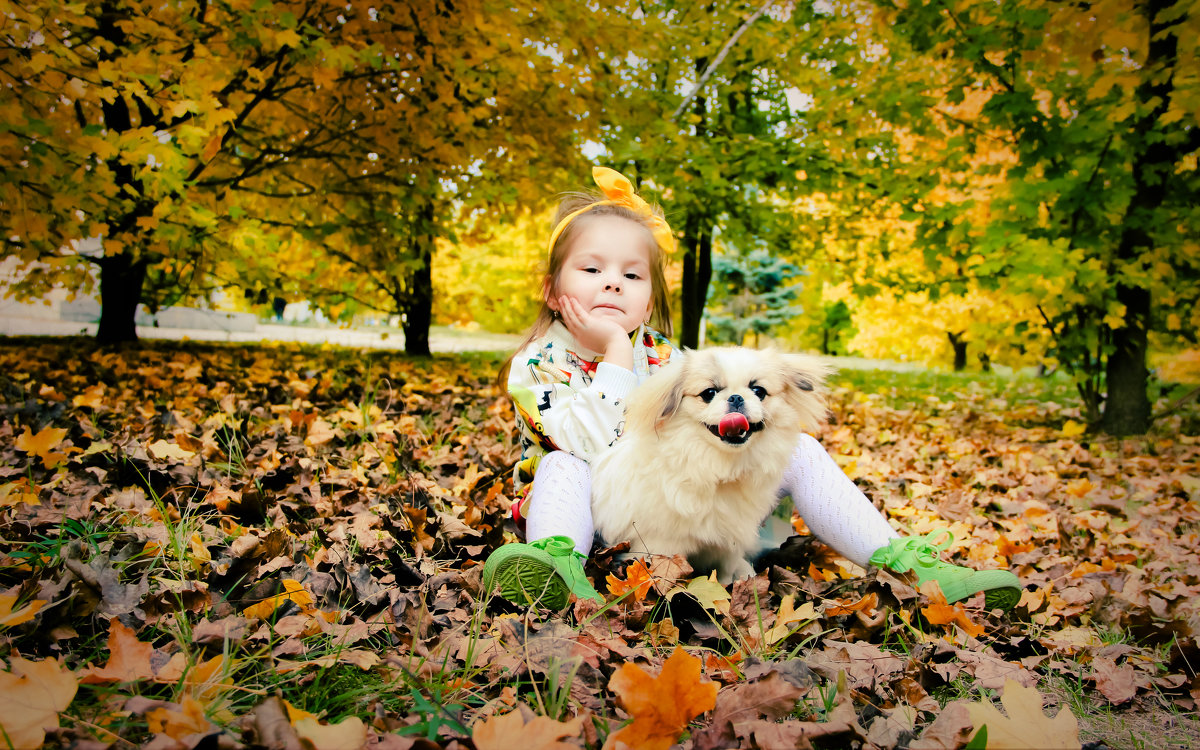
x,y
618,191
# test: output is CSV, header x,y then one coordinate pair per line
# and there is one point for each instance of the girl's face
x,y
607,269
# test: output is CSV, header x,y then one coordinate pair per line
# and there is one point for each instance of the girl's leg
x,y
840,515
560,503
836,511
547,568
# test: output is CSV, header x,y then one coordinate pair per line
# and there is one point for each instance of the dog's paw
x,y
734,569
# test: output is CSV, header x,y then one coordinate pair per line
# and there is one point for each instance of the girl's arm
x,y
565,414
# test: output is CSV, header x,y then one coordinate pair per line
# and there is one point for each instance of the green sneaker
x,y
547,571
1002,589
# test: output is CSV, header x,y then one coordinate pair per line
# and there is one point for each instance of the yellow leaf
x,y
708,591
788,616
43,444
160,450
12,493
9,617
34,694
294,591
348,734
1025,726
1073,429
510,730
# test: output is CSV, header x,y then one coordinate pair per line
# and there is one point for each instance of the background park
x,y
278,544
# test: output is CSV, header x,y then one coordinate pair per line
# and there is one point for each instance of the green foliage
x,y
752,293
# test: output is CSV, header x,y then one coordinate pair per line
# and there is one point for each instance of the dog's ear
x,y
806,377
658,398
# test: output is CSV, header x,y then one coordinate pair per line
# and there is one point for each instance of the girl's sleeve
x,y
562,413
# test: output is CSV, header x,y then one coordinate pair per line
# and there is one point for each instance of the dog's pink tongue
x,y
733,425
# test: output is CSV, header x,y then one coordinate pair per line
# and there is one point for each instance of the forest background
x,y
952,181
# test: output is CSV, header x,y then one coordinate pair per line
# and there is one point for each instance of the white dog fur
x,y
672,485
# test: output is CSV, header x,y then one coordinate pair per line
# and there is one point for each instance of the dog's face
x,y
732,395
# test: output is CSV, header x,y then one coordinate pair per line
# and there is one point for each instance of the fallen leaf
x,y
10,617
1116,683
128,658
293,591
511,731
1026,725
941,613
788,616
92,398
707,590
637,579
34,695
661,706
866,604
177,724
161,450
348,734
43,444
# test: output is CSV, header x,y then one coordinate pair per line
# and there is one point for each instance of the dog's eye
x,y
759,391
708,394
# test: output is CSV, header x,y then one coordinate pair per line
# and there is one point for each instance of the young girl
x,y
596,337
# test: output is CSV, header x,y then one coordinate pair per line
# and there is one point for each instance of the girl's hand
x,y
597,333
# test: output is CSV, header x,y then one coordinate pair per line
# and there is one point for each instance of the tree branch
x,y
712,67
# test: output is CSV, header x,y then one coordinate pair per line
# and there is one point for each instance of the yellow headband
x,y
618,191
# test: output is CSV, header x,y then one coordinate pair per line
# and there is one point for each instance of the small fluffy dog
x,y
702,457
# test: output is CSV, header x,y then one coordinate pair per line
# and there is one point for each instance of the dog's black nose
x,y
736,401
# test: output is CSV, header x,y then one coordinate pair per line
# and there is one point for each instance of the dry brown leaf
x,y
511,731
128,658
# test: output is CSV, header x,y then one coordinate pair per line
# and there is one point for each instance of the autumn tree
x,y
141,124
703,115
232,145
1094,218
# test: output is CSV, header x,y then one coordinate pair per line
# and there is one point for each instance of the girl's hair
x,y
660,303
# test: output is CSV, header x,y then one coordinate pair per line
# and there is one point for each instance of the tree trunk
x,y
418,308
1126,405
121,280
697,272
960,350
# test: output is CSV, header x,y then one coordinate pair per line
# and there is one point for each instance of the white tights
x,y
834,509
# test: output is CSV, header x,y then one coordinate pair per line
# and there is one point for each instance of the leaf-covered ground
x,y
232,546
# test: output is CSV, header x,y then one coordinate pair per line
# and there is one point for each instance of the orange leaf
x,y
128,658
661,706
43,444
941,613
189,719
34,694
92,398
637,579
510,730
866,604
212,148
